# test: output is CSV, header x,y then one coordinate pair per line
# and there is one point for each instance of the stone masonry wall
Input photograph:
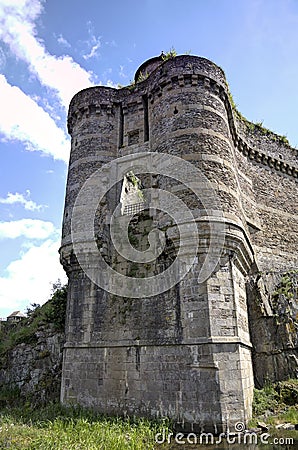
x,y
35,368
273,312
186,353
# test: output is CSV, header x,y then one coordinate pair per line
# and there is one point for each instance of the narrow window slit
x,y
121,126
146,117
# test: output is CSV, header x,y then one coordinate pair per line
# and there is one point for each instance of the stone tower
x,y
183,351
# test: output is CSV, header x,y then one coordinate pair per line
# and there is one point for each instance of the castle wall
x,y
269,201
185,353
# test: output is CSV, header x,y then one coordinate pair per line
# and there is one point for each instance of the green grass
x,y
58,428
265,400
55,427
276,403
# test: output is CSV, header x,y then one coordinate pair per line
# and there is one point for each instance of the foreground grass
x,y
58,428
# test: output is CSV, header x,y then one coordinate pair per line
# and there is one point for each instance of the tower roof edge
x,y
149,66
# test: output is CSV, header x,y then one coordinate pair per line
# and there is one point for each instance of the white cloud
x,y
28,228
93,52
2,59
61,40
93,43
29,279
24,120
121,72
23,199
17,30
111,43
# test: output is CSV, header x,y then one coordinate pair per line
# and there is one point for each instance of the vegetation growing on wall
x,y
142,77
169,55
53,312
284,301
136,182
277,401
287,286
256,126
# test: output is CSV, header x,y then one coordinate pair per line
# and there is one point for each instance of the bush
x,y
275,397
52,312
266,399
57,308
288,392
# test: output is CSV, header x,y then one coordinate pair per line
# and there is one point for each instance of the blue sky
x,y
51,49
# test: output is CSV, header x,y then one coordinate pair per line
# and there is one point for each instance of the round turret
x,y
148,67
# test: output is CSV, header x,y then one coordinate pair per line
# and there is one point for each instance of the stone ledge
x,y
186,342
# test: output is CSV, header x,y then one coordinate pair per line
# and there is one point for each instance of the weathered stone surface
x,y
185,353
273,309
35,368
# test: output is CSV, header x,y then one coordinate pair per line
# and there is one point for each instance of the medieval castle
x,y
194,348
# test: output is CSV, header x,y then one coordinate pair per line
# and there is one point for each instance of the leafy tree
x,y
56,311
